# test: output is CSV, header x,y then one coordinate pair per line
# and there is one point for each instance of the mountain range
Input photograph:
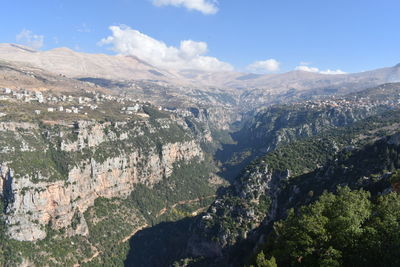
x,y
122,67
106,160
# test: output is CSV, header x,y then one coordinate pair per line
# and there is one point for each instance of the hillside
x,y
74,64
255,88
184,173
272,126
72,165
293,175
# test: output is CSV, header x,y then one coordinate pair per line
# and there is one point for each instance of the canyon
x,y
92,160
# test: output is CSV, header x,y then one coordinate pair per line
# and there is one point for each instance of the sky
x,y
261,36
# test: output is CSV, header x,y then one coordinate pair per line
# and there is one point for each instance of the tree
x,y
262,261
325,233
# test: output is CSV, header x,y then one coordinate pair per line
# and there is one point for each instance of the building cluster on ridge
x,y
356,102
68,103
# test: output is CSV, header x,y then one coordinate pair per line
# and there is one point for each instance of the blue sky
x,y
349,35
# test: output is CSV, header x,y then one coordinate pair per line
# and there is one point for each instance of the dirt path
x,y
126,238
86,260
133,233
198,211
161,212
183,202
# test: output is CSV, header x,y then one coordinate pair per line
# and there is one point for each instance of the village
x,y
351,102
81,104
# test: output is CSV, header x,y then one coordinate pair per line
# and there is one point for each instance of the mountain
x,y
81,173
272,126
362,155
120,67
14,75
300,150
74,64
302,80
109,161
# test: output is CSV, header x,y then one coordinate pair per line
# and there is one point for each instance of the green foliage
x,y
60,250
110,221
154,113
395,177
305,155
188,181
261,261
343,229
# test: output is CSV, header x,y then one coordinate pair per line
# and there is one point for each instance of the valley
x,y
99,169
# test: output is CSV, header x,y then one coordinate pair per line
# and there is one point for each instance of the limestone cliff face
x,y
233,216
282,125
103,160
218,117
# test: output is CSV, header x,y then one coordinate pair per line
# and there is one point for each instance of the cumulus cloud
x,y
269,65
306,68
190,55
316,70
30,39
204,6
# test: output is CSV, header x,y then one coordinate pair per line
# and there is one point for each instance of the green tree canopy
x,y
342,229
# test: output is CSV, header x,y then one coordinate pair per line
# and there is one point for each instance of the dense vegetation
x,y
358,156
188,182
345,228
306,154
349,228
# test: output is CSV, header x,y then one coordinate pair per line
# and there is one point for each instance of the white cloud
x,y
269,65
328,71
30,39
316,70
204,6
190,54
306,68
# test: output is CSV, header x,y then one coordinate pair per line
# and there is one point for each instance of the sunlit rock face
x,y
104,160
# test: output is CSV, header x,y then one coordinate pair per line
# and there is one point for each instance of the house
x,y
135,108
39,97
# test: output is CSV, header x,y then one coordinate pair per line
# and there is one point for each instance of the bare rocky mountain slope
x,y
120,67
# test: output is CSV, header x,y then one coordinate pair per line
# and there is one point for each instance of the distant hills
x,y
120,67
74,64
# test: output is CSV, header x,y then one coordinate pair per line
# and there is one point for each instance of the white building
x,y
135,108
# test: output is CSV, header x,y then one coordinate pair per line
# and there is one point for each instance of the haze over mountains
x,y
120,67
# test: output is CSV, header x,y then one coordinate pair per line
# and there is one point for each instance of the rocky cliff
x,y
53,171
295,174
232,217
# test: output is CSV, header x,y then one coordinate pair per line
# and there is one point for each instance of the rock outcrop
x,y
82,162
232,217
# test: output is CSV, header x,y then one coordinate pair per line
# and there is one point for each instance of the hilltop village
x,y
86,103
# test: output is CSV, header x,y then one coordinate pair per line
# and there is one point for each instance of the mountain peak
x,y
62,50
